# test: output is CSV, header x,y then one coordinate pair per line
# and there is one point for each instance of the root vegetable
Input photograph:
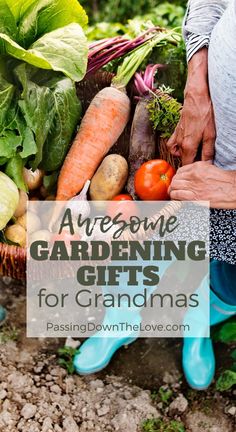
x,y
16,234
33,222
33,179
22,205
102,125
142,142
9,199
109,179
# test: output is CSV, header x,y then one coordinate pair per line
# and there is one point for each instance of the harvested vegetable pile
x,y
42,61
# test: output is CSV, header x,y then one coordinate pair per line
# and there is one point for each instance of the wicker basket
x,y
13,258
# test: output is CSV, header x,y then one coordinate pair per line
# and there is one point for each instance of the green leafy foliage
x,y
63,50
226,333
165,395
103,30
63,126
159,425
164,114
66,357
121,10
138,56
226,381
14,169
136,18
44,16
9,334
43,51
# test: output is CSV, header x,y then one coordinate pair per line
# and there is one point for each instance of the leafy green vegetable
x,y
37,106
7,91
50,181
14,169
7,21
63,50
43,52
44,16
8,144
29,145
63,127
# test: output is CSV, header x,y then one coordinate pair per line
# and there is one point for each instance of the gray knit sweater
x,y
201,18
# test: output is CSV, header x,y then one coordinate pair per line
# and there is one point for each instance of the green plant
x,y
43,51
121,10
158,425
165,395
226,333
66,358
226,381
164,114
9,333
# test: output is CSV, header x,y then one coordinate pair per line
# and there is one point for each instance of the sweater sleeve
x,y
200,19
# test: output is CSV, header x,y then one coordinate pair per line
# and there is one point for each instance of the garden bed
x,y
37,395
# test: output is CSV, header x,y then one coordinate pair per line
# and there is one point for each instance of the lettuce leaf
x,y
8,144
14,170
61,11
64,125
38,108
7,91
43,52
7,20
44,16
63,50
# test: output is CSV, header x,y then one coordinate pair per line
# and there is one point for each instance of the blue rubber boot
x,y
198,352
3,315
97,351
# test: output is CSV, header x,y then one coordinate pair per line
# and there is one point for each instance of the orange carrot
x,y
102,125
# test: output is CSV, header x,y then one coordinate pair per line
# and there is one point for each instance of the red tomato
x,y
123,204
123,197
153,179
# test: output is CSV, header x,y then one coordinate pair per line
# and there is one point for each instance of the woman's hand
x,y
202,181
196,126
